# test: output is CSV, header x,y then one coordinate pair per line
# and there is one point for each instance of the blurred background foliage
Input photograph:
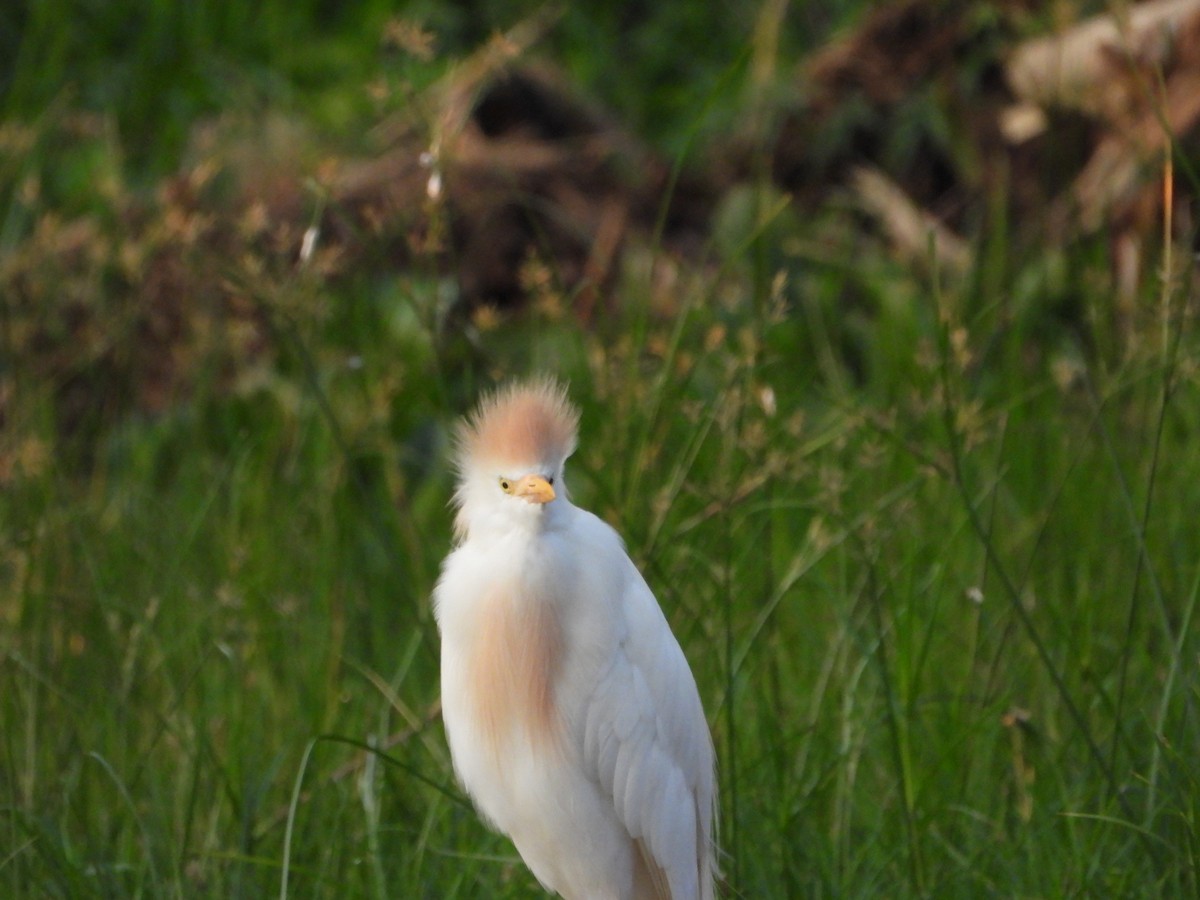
x,y
155,67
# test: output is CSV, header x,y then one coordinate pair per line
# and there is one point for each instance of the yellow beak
x,y
535,489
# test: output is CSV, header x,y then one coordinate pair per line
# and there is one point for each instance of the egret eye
x,y
550,479
506,485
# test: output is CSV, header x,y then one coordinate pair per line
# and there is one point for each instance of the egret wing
x,y
647,744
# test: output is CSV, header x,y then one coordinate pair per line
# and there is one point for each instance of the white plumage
x,y
573,718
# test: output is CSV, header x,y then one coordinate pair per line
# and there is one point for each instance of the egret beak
x,y
535,489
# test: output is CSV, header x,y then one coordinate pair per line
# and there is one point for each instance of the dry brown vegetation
x,y
505,161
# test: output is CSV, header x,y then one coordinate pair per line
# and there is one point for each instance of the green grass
x,y
945,637
932,552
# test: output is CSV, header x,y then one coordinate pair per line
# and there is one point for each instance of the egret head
x,y
510,456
